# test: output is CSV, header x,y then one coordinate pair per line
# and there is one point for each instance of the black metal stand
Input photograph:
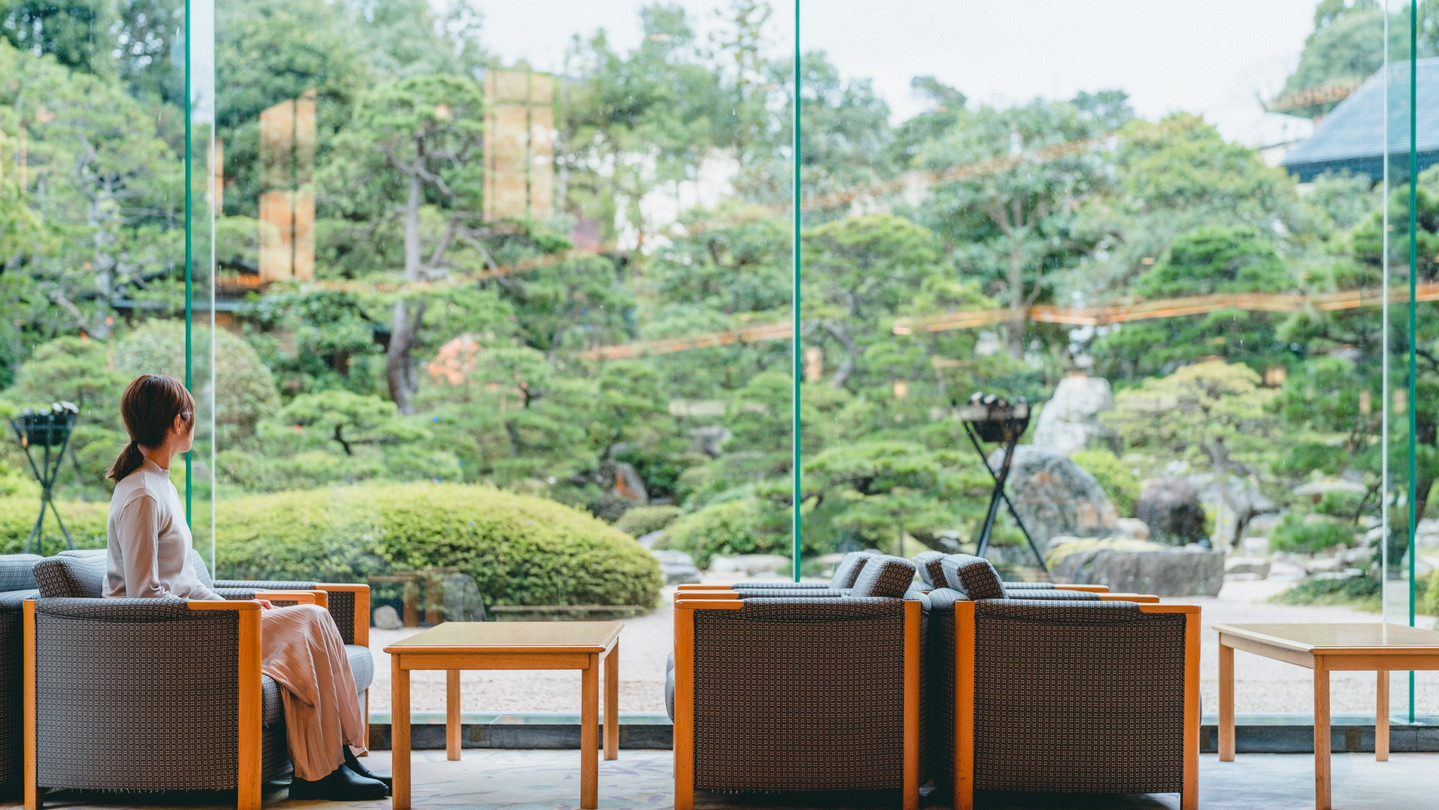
x,y
1010,438
46,473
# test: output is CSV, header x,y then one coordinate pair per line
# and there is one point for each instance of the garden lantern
x,y
50,429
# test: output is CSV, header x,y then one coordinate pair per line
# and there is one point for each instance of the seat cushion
x,y
272,707
884,576
849,568
972,576
931,568
362,664
17,571
73,576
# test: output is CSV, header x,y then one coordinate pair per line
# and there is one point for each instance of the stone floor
x,y
540,780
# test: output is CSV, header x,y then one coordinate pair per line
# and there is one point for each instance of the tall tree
x,y
415,142
1010,217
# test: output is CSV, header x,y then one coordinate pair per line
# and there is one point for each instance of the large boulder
x,y
1234,501
1070,419
1132,566
1171,509
1055,496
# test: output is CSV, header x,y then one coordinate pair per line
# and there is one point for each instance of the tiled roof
x,y
1352,135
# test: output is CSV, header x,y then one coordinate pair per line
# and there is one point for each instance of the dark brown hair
x,y
149,407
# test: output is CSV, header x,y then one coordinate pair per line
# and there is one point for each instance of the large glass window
x,y
1174,252
502,288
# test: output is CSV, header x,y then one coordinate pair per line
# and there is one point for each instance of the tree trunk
x,y
1018,317
399,361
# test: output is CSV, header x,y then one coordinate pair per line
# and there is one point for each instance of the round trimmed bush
x,y
740,526
641,520
521,550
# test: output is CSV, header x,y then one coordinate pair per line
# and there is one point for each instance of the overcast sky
x,y
1215,57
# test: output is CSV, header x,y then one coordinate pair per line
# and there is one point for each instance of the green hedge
x,y
641,520
85,520
741,526
521,550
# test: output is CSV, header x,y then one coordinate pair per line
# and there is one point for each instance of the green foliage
x,y
739,526
521,550
1212,411
1209,260
244,391
642,520
1114,476
86,522
1361,592
1309,534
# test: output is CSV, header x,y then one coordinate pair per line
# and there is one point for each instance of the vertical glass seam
x,y
189,256
795,343
1413,310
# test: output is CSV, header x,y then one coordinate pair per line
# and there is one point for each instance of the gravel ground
x,y
1262,686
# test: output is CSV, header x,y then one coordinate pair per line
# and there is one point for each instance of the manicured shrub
x,y
521,550
1118,480
740,526
642,520
1309,534
85,520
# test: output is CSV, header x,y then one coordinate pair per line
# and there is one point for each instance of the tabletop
x,y
528,637
1325,637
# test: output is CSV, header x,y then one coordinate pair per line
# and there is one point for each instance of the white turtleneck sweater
x,y
149,541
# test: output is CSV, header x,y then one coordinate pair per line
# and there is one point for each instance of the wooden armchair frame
x,y
684,751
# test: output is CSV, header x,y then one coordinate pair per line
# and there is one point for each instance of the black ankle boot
x,y
341,785
353,763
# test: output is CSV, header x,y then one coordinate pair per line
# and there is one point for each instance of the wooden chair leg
x,y
33,794
684,710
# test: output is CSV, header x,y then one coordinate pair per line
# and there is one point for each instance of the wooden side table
x,y
1325,648
457,646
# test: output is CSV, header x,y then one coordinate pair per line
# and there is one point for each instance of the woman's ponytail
x,y
127,462
149,407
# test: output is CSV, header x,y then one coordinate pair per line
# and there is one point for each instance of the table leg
x,y
589,734
1381,720
1321,735
612,703
400,733
452,715
1226,702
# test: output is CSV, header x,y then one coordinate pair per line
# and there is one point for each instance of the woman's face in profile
x,y
186,434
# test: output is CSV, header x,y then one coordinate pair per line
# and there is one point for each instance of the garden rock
x,y
1427,533
1246,568
1170,508
463,600
677,567
649,540
749,564
1070,419
1055,496
1134,527
386,617
1234,503
1157,570
709,440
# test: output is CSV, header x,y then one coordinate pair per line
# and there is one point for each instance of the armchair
x,y
110,705
17,583
931,570
843,580
742,663
1114,683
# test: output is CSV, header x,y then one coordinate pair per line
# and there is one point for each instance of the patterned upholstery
x,y
930,568
972,576
1022,586
755,664
109,701
849,569
1056,594
71,576
17,572
770,593
1105,681
885,576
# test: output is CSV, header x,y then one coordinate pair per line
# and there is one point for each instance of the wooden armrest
x,y
362,606
1142,598
1086,588
303,597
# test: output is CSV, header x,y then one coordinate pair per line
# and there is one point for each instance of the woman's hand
x,y
265,605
